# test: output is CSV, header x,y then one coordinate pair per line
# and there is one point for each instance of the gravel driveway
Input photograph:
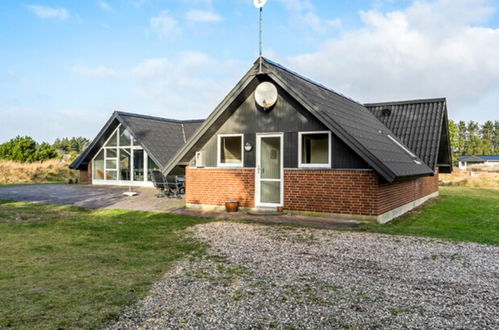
x,y
274,276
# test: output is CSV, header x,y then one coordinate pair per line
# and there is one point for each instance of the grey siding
x,y
288,117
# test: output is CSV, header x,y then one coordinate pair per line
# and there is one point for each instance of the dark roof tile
x,y
417,123
160,137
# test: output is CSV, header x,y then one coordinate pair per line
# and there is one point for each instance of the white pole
x,y
261,39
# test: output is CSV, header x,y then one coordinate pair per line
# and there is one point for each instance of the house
x,y
465,161
315,151
130,146
309,151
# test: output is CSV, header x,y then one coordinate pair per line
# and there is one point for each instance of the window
x,y
151,166
230,150
122,160
125,163
138,165
125,137
314,149
98,164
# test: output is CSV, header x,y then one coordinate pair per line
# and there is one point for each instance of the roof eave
x,y
75,165
222,106
149,153
384,171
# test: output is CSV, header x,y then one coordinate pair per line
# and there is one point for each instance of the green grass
x,y
459,214
65,267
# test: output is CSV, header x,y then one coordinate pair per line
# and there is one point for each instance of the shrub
x,y
26,150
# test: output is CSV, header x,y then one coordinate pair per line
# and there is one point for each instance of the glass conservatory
x,y
122,161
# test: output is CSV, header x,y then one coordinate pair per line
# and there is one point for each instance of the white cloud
x,y
49,12
13,76
429,49
99,72
335,23
104,5
297,5
203,16
304,13
188,86
139,3
163,24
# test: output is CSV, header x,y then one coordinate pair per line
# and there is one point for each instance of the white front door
x,y
269,170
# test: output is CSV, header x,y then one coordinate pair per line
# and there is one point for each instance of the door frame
x,y
259,136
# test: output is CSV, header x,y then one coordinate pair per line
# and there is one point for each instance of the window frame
x,y
133,146
219,150
300,147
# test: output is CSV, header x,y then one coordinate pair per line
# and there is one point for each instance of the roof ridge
x,y
138,115
415,101
310,80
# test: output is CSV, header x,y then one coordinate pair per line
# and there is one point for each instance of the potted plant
x,y
231,206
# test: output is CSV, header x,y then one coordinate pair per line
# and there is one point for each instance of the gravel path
x,y
274,276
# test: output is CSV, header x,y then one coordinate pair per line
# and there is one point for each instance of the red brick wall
x,y
331,191
393,195
327,191
86,176
216,186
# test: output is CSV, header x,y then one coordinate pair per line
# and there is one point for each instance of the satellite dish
x,y
266,95
259,3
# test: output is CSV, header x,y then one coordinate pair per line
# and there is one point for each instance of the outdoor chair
x,y
176,187
158,180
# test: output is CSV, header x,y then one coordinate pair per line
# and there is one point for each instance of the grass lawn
x,y
64,267
461,214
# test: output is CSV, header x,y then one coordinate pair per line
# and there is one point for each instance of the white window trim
x,y
300,164
219,150
118,148
258,174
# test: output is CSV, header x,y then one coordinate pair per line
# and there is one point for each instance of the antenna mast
x,y
261,38
259,4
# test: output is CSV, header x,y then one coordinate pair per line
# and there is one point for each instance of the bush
x,y
26,150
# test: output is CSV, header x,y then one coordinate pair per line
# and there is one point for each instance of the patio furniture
x,y
176,186
158,180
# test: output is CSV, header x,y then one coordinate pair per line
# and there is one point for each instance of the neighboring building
x,y
465,161
315,151
130,146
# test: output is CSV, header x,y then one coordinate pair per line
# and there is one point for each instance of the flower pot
x,y
231,206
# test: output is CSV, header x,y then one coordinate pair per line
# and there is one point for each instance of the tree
x,y
495,138
487,133
461,138
21,149
45,151
454,141
25,149
76,144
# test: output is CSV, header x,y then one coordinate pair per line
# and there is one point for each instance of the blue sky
x,y
66,65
